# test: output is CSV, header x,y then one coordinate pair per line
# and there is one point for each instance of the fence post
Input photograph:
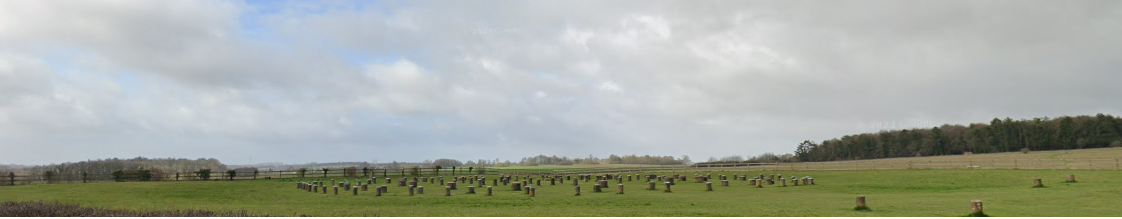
x,y
1116,163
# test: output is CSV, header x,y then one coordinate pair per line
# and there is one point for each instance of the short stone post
x,y
471,190
388,180
759,183
861,204
315,189
354,191
452,185
539,182
385,188
336,189
364,187
576,189
620,188
976,209
378,191
1036,183
553,181
709,186
516,186
411,188
489,189
447,191
725,183
667,186
533,191
1070,177
650,185
629,178
782,182
596,188
526,190
795,181
420,190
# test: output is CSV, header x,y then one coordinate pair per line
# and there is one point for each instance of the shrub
x,y
231,174
480,170
415,171
118,175
144,175
204,174
350,171
1025,150
1116,143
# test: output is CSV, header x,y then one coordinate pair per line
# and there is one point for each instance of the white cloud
x,y
95,79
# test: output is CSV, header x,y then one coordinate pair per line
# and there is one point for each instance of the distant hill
x,y
999,135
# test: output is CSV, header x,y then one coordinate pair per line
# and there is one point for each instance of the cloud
x,y
411,81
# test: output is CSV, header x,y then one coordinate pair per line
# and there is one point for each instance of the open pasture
x,y
888,192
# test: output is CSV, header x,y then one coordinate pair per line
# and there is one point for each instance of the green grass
x,y
889,193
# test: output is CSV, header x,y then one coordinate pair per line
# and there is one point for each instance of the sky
x,y
308,81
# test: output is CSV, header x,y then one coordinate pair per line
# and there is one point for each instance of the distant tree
x,y
999,135
231,174
118,175
300,172
802,152
204,174
447,162
49,175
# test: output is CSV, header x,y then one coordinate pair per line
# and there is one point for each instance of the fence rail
x,y
882,164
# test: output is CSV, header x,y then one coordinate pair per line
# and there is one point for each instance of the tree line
x,y
139,166
612,159
1000,135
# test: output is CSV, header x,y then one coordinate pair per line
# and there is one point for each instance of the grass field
x,y
889,192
